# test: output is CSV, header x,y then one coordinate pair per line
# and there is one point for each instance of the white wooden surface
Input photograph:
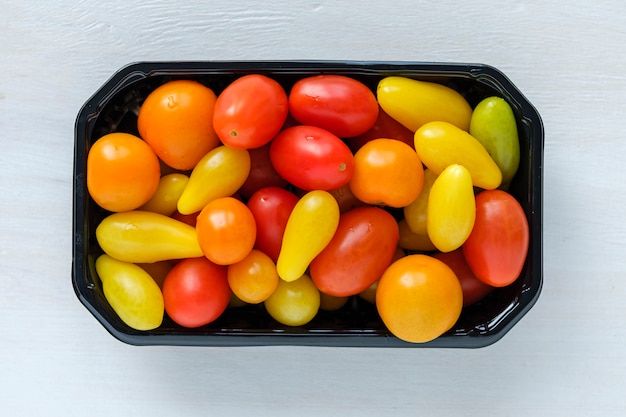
x,y
566,357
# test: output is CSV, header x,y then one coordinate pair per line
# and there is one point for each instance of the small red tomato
x,y
262,173
339,104
385,127
271,207
196,292
358,254
497,247
474,289
312,158
250,111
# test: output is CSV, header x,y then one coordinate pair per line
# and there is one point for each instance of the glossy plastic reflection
x,y
114,108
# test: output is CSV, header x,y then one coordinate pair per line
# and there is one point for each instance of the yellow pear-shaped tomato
x,y
220,173
145,237
451,208
414,103
310,227
165,199
131,292
440,144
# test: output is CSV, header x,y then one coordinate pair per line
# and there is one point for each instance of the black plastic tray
x,y
114,108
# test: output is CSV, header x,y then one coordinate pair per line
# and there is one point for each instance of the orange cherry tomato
x,y
419,298
387,172
122,172
254,278
176,119
226,230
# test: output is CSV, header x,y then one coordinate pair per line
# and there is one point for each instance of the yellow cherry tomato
x,y
294,303
165,199
415,213
310,227
451,208
414,103
220,173
131,292
440,144
412,241
145,237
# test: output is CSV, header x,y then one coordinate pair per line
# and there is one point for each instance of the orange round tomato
x,y
226,230
122,172
250,111
254,278
387,172
419,298
176,119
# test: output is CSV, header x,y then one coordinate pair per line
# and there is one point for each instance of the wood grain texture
x,y
565,357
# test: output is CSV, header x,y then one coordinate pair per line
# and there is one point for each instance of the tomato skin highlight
x,y
196,292
312,158
358,254
271,207
250,111
342,105
496,249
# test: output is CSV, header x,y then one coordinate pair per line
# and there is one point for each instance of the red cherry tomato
x,y
196,292
262,172
250,111
474,289
358,254
271,207
497,247
385,127
339,104
312,158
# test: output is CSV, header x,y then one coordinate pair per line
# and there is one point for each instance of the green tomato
x,y
294,303
131,292
451,208
493,124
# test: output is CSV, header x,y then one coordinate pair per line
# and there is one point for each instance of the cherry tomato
x,y
145,237
122,172
131,292
342,105
271,207
218,174
168,192
254,278
176,121
312,158
387,172
310,227
358,254
385,127
419,298
474,289
497,247
262,172
226,230
250,111
416,212
415,103
294,303
412,241
196,292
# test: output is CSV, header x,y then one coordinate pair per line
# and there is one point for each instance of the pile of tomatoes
x,y
301,198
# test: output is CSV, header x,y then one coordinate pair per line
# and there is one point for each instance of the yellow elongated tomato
x,y
415,213
145,237
220,173
165,199
414,103
310,227
451,208
131,292
440,144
